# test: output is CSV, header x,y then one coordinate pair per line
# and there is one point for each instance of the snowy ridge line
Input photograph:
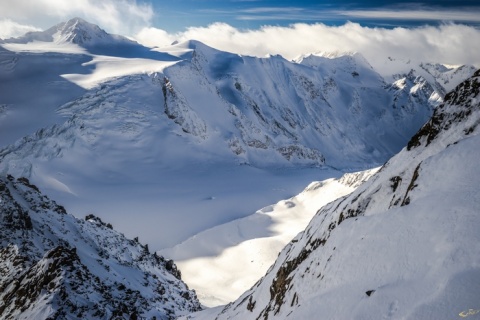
x,y
403,245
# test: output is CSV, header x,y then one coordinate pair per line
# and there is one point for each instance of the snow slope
x,y
33,88
41,71
223,262
403,245
56,266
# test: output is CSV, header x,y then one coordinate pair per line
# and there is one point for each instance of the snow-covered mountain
x,y
310,113
76,31
333,110
405,244
444,78
56,266
264,112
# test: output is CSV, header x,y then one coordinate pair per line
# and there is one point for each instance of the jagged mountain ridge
x,y
56,266
305,112
403,245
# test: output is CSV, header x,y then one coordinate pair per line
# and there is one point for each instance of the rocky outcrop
x,y
54,266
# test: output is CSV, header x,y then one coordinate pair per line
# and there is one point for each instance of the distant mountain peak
x,y
331,55
76,31
79,31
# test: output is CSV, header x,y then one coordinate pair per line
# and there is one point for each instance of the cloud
x,y
447,43
152,37
466,14
412,12
117,16
9,28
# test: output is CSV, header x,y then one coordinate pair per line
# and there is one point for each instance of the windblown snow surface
x,y
167,143
404,245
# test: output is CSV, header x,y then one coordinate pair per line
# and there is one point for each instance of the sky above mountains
x,y
253,14
130,16
441,31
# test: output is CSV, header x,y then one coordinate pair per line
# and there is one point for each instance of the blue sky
x,y
251,14
129,16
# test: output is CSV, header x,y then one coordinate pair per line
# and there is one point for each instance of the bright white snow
x,y
223,262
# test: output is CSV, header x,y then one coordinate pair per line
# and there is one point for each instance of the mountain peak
x,y
331,55
76,31
79,31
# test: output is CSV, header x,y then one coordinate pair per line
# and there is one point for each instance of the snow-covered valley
x,y
203,154
224,261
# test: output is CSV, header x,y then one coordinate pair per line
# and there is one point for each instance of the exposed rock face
x,y
55,266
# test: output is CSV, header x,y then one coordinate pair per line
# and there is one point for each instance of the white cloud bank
x,y
116,16
467,14
447,43
9,28
417,12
